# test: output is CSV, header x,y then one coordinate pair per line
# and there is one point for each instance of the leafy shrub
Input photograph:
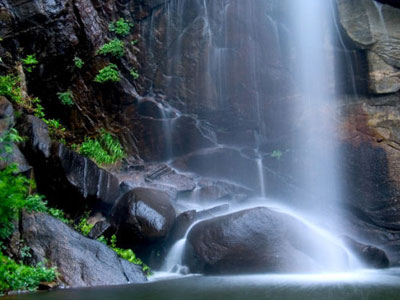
x,y
9,87
13,193
105,150
17,276
134,73
83,226
78,62
115,48
58,214
66,98
121,27
30,62
108,73
56,129
8,139
35,203
25,251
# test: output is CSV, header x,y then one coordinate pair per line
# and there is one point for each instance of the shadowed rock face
x,y
254,241
197,57
79,261
69,180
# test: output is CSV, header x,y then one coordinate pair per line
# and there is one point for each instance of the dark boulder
x,y
99,229
370,256
79,261
39,142
143,216
69,180
187,218
259,240
181,225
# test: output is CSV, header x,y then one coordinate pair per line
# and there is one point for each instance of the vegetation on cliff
x,y
19,80
16,195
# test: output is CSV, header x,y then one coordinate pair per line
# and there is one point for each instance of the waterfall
x,y
319,174
258,79
314,72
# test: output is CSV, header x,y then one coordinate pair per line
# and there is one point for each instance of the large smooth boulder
x,y
260,240
143,216
79,261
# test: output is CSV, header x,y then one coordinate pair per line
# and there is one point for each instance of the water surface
x,y
380,285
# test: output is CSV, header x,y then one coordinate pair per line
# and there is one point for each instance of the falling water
x,y
219,90
318,174
173,261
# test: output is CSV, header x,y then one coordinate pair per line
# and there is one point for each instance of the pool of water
x,y
361,285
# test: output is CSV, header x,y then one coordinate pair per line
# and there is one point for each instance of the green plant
x,y
104,150
108,73
276,154
115,48
13,194
83,226
7,140
78,62
126,254
9,87
103,240
58,214
56,129
134,42
121,27
30,62
66,98
25,252
17,276
36,203
134,73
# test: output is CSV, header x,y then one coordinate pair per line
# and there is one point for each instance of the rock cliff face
x,y
202,102
370,122
245,102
